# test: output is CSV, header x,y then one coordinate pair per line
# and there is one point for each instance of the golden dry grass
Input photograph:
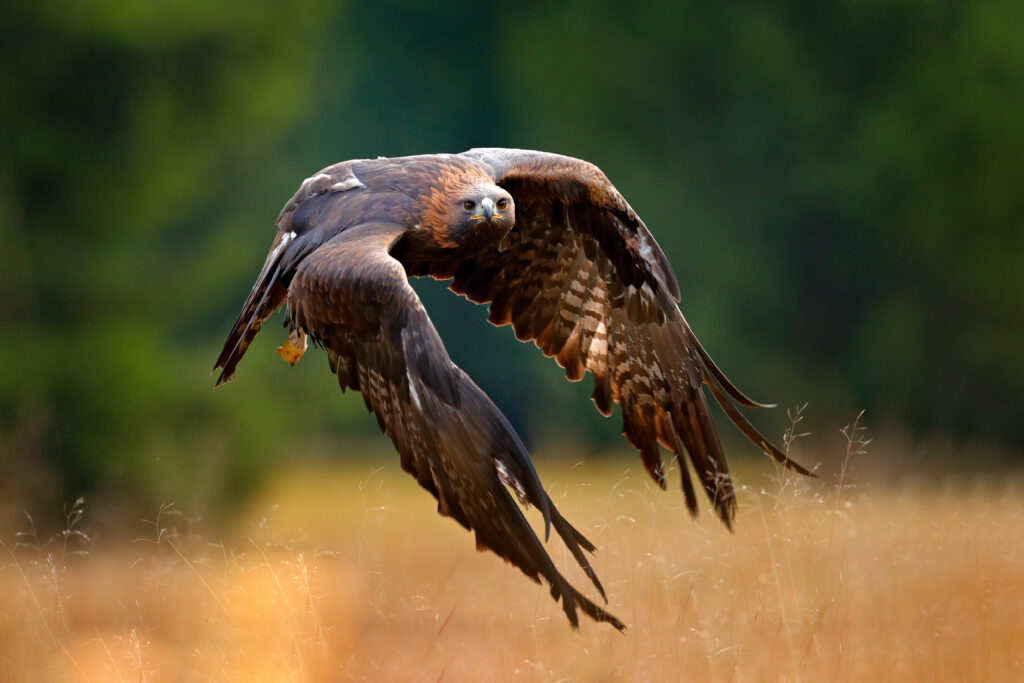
x,y
345,572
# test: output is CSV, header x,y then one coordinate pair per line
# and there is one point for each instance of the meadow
x,y
343,571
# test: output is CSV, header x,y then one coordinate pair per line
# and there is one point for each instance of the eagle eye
x,y
502,203
469,205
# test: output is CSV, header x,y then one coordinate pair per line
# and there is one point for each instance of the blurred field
x,y
344,571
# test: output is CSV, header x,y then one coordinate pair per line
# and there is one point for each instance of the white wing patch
x,y
314,178
349,183
317,184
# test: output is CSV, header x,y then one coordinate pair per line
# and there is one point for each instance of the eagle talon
x,y
293,347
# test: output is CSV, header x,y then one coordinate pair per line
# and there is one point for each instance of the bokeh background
x,y
839,186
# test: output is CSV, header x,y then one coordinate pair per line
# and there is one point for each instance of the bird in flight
x,y
554,249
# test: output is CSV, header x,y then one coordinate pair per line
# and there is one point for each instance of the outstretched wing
x,y
582,277
353,298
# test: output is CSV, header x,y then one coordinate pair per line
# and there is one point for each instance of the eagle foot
x,y
293,347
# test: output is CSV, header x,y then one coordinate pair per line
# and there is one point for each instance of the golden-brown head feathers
x,y
468,212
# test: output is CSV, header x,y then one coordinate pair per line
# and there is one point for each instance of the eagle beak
x,y
487,207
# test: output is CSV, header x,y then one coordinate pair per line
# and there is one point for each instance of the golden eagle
x,y
557,252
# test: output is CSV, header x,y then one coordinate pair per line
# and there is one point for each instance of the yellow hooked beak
x,y
487,211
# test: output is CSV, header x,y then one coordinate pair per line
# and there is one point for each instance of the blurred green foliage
x,y
837,185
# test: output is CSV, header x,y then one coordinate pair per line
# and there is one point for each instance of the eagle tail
x,y
267,294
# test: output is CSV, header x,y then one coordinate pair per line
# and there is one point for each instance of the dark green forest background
x,y
840,187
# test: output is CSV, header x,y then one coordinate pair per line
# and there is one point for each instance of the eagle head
x,y
480,216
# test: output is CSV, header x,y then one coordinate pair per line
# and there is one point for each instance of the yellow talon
x,y
293,347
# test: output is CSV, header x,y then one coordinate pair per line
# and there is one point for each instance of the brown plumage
x,y
558,254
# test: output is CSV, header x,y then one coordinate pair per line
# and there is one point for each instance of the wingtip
x,y
546,511
727,512
574,540
573,599
751,432
786,461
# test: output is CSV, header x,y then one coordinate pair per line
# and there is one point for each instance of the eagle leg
x,y
293,347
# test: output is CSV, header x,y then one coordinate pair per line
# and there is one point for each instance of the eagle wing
x,y
581,276
351,296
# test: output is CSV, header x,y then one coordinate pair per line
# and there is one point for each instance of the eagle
x,y
556,251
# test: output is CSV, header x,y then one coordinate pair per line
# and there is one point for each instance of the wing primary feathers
x,y
560,588
718,376
421,353
573,540
751,432
706,455
684,474
505,447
